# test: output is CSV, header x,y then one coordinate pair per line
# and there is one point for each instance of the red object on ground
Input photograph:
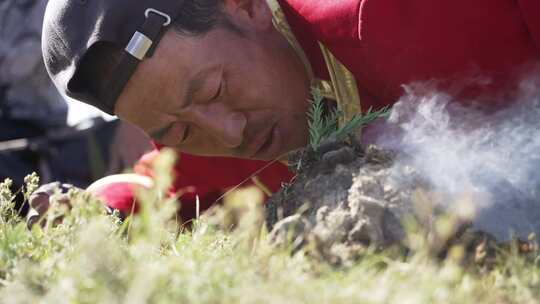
x,y
206,177
119,196
471,49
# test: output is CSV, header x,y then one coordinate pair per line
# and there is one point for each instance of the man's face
x,y
226,93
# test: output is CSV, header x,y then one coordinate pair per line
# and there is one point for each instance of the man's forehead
x,y
185,62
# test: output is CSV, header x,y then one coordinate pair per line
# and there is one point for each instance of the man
x,y
227,78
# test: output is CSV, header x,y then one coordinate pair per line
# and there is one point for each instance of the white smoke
x,y
460,149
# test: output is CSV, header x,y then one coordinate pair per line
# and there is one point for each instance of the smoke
x,y
459,149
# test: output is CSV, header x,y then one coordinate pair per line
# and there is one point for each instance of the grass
x,y
92,257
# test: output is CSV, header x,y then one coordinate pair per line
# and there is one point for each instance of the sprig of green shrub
x,y
322,125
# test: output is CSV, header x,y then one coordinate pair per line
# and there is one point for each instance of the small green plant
x,y
6,201
323,126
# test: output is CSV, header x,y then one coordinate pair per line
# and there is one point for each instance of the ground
x,y
94,258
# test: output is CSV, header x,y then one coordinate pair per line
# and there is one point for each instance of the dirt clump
x,y
347,198
341,201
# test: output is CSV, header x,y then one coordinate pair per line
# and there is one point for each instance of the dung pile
x,y
342,201
347,198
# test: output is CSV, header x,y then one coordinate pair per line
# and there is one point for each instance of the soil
x,y
347,198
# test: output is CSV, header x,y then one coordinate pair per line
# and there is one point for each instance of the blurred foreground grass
x,y
92,257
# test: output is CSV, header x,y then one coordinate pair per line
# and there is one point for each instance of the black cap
x,y
72,27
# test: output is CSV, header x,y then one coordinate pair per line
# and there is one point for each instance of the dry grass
x,y
93,258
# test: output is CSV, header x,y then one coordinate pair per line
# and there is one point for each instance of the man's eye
x,y
185,135
218,91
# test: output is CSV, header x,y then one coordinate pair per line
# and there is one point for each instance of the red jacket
x,y
471,49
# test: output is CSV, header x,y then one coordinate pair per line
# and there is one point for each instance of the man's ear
x,y
254,14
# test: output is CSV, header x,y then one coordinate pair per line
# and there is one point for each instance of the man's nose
x,y
223,124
